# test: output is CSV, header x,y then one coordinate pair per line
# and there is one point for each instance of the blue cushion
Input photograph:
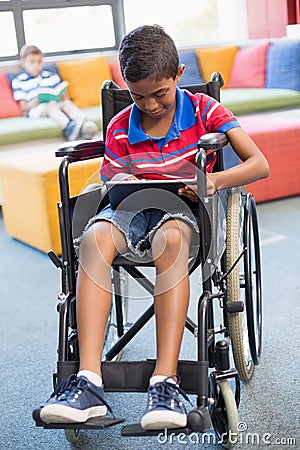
x,y
283,65
51,67
11,76
192,73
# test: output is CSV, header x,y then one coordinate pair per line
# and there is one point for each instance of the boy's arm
x,y
27,106
254,165
19,96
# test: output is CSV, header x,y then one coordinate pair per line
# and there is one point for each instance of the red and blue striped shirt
x,y
129,149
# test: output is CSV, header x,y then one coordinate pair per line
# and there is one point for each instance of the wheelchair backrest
x,y
115,99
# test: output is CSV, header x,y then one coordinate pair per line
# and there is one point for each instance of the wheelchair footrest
x,y
135,429
93,423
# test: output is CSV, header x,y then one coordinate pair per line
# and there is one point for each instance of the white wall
x,y
232,25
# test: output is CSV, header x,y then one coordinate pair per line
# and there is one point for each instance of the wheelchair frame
x,y
237,281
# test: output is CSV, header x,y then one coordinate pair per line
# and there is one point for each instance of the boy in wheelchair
x,y
155,138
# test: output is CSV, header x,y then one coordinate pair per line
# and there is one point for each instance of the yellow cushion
x,y
216,59
85,77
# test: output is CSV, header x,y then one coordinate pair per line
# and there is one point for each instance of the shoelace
x,y
71,386
163,391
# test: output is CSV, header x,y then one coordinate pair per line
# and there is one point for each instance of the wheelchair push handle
x,y
208,143
212,141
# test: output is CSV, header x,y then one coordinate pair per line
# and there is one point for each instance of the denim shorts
x,y
139,227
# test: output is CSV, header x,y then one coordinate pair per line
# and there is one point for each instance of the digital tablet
x,y
142,194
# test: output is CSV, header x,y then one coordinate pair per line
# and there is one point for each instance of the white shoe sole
x,y
159,420
88,130
65,414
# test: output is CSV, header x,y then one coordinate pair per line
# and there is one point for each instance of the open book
x,y
52,94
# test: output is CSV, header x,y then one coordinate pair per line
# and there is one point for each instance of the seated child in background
x,y
65,113
156,137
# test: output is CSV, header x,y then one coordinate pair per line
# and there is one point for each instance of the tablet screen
x,y
142,194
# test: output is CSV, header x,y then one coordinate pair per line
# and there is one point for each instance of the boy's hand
x,y
190,191
33,103
211,188
121,176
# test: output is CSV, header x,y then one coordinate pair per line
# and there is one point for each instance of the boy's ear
x,y
180,72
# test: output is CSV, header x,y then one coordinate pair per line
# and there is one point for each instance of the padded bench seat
x,y
256,100
278,137
30,190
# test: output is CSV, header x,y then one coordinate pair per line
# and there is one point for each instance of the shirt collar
x,y
182,121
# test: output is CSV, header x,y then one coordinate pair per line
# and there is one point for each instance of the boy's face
x,y
157,99
33,64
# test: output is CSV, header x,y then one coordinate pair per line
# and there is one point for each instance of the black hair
x,y
148,51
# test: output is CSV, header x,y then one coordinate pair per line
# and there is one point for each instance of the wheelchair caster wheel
x,y
224,415
199,420
72,435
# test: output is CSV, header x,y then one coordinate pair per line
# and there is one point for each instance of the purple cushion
x,y
192,73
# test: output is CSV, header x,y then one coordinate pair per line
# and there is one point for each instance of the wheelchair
x,y
228,260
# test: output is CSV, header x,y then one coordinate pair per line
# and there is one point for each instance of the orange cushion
x,y
216,59
85,77
249,67
8,106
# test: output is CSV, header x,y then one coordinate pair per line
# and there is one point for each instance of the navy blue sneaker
x,y
164,409
75,400
72,130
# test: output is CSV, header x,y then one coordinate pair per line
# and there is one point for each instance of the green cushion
x,y
94,113
289,113
22,129
251,100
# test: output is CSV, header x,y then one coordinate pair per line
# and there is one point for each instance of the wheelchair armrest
x,y
81,150
212,141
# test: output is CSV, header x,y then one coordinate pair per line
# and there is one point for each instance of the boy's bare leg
x,y
53,111
72,111
170,248
100,245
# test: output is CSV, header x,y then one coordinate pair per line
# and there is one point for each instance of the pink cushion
x,y
249,67
117,76
8,106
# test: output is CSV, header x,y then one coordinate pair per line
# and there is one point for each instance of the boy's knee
x,y
170,240
91,242
103,241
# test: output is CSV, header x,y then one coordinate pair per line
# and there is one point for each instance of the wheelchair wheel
x,y
244,281
72,435
224,415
